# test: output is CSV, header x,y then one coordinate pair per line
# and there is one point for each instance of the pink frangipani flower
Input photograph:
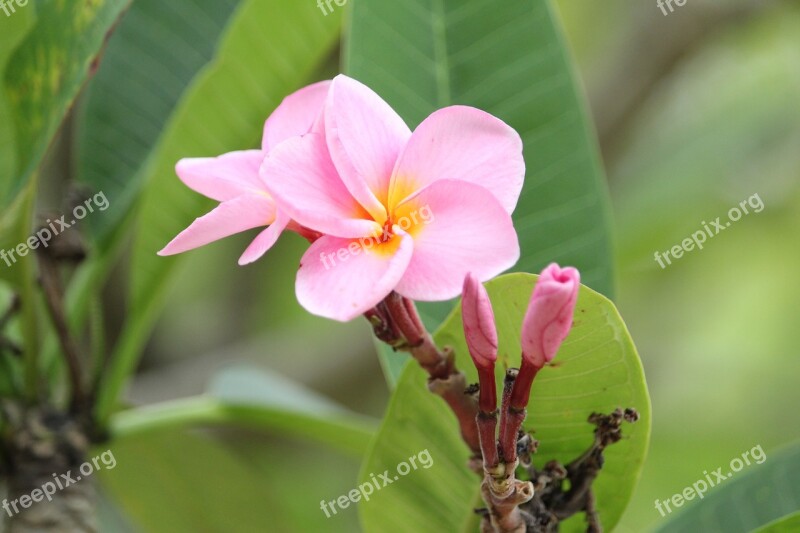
x,y
233,180
404,212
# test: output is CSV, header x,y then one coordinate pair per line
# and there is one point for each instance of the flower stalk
x,y
396,321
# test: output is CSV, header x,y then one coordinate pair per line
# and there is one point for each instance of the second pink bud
x,y
549,317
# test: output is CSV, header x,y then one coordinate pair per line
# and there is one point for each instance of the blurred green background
x,y
695,112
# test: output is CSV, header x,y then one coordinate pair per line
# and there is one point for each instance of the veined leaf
x,y
752,499
12,31
157,50
597,369
46,72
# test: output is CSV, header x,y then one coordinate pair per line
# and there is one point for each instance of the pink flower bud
x,y
549,317
479,328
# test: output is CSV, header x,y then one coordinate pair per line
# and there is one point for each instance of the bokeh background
x,y
695,112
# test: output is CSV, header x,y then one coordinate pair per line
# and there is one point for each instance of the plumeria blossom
x,y
233,180
364,180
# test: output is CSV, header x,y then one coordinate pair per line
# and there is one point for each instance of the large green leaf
x,y
749,500
787,524
12,31
47,71
157,50
195,481
510,59
257,399
269,49
269,484
597,369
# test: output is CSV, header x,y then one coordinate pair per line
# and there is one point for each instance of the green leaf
x,y
155,53
12,31
47,71
749,500
263,57
596,369
787,524
509,59
200,481
257,399
267,483
20,272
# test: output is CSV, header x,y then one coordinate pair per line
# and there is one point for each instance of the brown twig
x,y
397,322
53,296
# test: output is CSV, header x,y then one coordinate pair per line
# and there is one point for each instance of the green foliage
x,y
787,524
47,52
249,480
257,399
596,369
12,31
46,72
749,500
155,53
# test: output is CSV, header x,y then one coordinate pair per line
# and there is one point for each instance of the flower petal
x,y
225,177
228,218
301,177
343,278
265,240
296,115
462,143
460,227
365,137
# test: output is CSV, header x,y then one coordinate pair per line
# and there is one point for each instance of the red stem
x,y
508,384
522,385
487,401
487,426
